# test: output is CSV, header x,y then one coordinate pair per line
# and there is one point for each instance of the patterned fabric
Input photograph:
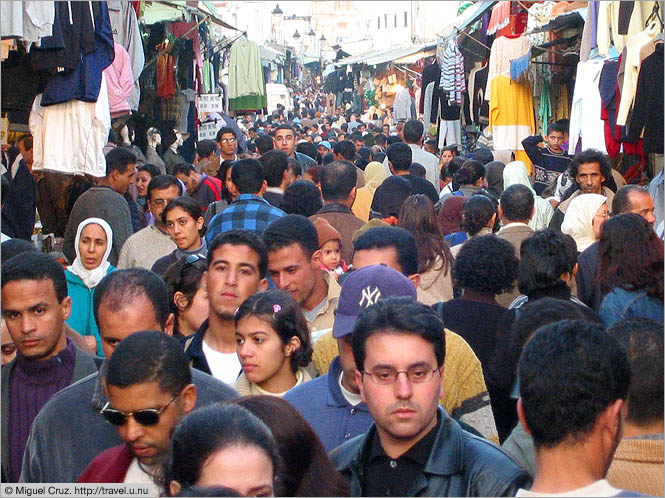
x,y
452,73
248,212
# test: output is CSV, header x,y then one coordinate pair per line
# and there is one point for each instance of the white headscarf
x,y
578,220
92,277
515,173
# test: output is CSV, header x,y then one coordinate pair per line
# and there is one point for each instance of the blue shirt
x,y
248,212
322,404
621,303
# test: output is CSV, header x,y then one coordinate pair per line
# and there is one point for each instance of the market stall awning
x,y
413,58
271,55
375,57
470,15
172,10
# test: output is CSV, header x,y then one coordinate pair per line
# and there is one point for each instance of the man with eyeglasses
x,y
149,244
227,143
149,388
414,448
69,431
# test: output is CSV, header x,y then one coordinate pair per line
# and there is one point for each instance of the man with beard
x,y
574,380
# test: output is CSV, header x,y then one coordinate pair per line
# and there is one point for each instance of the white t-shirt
x,y
598,488
223,366
136,475
353,398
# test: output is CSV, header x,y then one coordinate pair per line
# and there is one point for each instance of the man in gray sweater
x,y
106,201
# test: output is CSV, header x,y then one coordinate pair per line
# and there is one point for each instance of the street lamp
x,y
277,15
296,35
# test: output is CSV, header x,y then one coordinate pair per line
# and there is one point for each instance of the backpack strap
x,y
213,186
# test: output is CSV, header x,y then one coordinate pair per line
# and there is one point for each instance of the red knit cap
x,y
326,231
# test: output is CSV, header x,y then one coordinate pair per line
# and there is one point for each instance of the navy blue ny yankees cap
x,y
363,288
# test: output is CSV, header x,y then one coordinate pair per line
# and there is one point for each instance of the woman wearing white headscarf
x,y
94,240
515,173
375,173
583,219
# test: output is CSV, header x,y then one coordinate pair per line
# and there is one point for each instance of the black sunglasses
x,y
147,417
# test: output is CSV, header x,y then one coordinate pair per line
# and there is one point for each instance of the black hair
x,y
210,429
301,197
379,157
413,131
544,257
223,130
294,167
346,149
35,266
26,138
533,315
264,143
275,163
149,356
12,247
591,156
570,372
205,147
216,491
393,139
337,180
151,169
327,159
398,238
248,176
621,201
183,169
287,322
121,288
307,148
307,469
187,204
380,139
517,202
162,182
400,156
356,136
476,170
285,126
418,169
184,277
451,148
557,127
398,315
292,229
476,214
119,159
643,340
236,238
485,264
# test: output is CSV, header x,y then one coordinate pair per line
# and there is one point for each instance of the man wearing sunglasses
x,y
414,448
149,389
70,431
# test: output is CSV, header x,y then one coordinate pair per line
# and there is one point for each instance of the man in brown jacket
x,y
338,186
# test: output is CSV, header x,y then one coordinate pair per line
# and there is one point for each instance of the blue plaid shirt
x,y
248,212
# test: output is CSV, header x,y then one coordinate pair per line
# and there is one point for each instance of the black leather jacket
x,y
460,464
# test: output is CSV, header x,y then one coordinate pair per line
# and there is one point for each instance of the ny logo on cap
x,y
369,296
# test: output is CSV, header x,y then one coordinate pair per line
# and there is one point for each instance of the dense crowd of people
x,y
237,323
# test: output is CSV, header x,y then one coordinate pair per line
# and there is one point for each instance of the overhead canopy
x,y
470,15
172,10
376,57
271,55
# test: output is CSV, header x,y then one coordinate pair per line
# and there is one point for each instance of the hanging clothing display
x,y
585,122
511,114
431,73
70,137
631,70
504,49
450,133
96,54
30,21
125,27
427,106
119,81
246,86
452,73
165,76
402,106
608,24
647,115
545,108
